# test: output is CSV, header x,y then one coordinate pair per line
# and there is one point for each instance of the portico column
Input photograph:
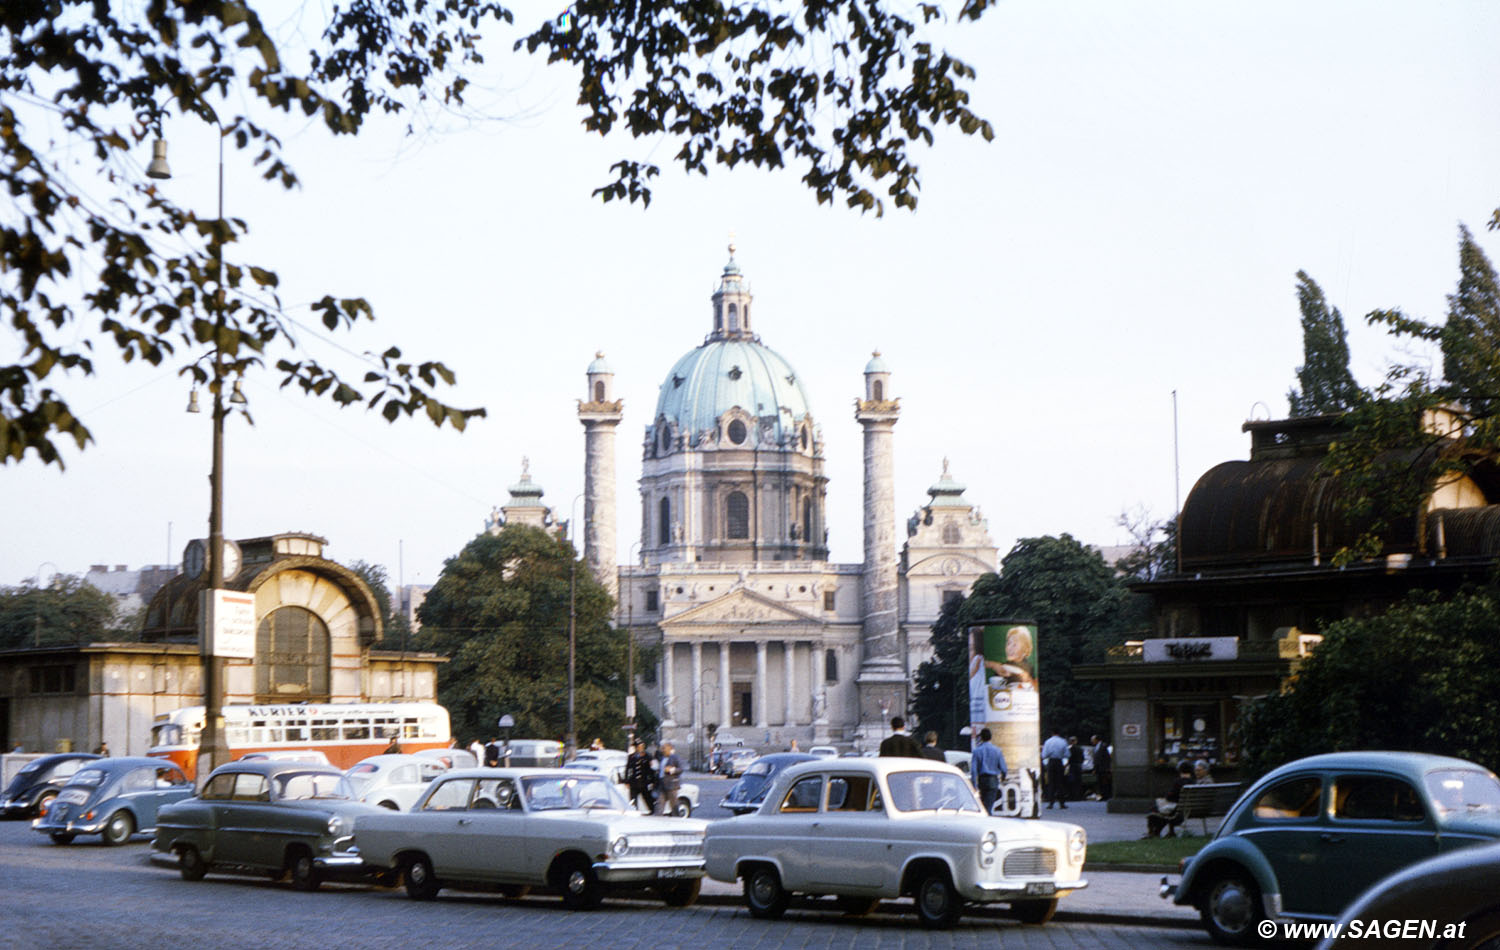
x,y
786,672
666,684
697,685
814,679
725,716
760,685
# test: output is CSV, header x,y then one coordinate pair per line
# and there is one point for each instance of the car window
x,y
91,778
300,786
141,780
497,794
431,770
925,791
1376,798
1463,792
452,795
804,796
1295,798
67,767
852,793
405,775
220,787
168,776
249,787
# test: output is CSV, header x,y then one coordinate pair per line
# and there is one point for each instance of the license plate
x,y
1041,888
671,873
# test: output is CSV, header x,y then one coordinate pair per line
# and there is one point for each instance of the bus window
x,y
325,730
237,735
166,733
357,730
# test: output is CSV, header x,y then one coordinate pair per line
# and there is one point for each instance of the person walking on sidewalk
x,y
988,766
1054,756
898,742
1104,772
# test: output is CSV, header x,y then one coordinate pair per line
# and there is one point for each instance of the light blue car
x,y
113,798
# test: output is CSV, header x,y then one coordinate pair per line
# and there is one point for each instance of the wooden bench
x,y
1203,802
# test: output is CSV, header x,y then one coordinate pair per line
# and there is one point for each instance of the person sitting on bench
x,y
1167,815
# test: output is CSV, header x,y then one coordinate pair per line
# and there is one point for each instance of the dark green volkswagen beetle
x,y
1310,836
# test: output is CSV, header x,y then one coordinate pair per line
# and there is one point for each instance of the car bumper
x,y
67,827
1011,890
624,873
12,807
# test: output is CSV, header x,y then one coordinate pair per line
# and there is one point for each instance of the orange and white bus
x,y
345,732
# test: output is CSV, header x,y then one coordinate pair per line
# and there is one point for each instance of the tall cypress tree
x,y
1326,384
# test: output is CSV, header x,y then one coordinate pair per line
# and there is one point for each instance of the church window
x,y
952,598
804,438
877,391
831,666
718,316
664,522
737,432
666,440
828,600
737,515
952,533
807,518
599,390
734,318
651,603
291,656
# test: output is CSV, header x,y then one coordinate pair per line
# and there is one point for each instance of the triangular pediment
x,y
742,607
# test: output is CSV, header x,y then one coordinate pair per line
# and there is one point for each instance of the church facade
x,y
759,634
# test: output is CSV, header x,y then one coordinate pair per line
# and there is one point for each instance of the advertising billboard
x,y
1004,697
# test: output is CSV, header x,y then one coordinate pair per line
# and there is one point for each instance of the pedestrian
x,y
1054,756
102,749
671,778
1104,772
898,743
597,745
477,749
988,768
1075,770
793,746
639,778
492,753
394,748
1168,816
930,748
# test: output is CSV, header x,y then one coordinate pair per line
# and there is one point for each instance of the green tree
x,y
1153,546
397,631
499,611
940,690
1080,606
69,610
1326,385
96,256
1420,677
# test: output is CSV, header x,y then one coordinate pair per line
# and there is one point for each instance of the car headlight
x,y
619,846
990,843
1077,844
335,825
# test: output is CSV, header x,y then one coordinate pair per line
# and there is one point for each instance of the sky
x,y
1080,315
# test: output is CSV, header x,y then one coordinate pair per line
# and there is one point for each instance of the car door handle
x,y
1327,838
465,821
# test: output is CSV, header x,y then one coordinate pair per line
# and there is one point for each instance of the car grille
x,y
1028,862
672,846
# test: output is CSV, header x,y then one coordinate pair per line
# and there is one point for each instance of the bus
x,y
345,732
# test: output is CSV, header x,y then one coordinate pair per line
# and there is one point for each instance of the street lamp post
x,y
211,740
630,646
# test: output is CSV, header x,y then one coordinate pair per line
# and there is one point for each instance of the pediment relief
x,y
741,606
948,563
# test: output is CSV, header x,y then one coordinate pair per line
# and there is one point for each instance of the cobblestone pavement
x,y
86,895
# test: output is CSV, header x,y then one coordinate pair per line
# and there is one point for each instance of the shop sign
x,y
1190,649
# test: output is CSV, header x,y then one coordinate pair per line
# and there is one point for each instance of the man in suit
x,y
898,743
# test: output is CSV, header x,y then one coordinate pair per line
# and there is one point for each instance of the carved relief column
x,y
697,704
725,716
666,683
881,682
786,673
760,685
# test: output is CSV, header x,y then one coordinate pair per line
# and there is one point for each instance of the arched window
x,y
599,390
664,522
877,389
807,519
737,515
952,534
804,438
666,440
737,432
718,317
291,656
831,667
734,317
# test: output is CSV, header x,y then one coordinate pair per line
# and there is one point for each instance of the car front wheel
x,y
421,883
1231,909
1033,912
681,893
684,809
764,895
938,904
62,837
304,872
119,829
191,864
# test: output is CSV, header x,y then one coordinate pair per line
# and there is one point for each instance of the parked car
x,y
605,764
1455,892
535,753
736,761
1306,839
393,782
958,758
567,829
113,798
34,787
748,793
309,756
265,817
873,829
451,758
823,752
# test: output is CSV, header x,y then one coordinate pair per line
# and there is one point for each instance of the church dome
x,y
723,375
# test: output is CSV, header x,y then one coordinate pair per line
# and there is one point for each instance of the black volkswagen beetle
x,y
34,787
750,790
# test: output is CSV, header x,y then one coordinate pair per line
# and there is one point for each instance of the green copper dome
x,y
721,375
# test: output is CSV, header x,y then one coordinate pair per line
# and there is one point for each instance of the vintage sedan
x,y
113,798
1307,838
265,817
872,829
512,829
750,791
1448,902
34,787
393,782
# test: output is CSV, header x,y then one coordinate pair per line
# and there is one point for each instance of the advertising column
x,y
1004,698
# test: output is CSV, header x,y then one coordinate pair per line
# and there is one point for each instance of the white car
x,y
570,830
866,830
824,751
393,781
604,763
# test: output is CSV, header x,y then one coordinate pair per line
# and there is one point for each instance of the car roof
x,y
785,758
57,757
272,767
513,772
1412,764
120,763
883,765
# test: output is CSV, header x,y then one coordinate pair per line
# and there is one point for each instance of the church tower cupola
x,y
732,305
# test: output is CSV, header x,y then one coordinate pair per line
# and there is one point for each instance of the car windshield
x,y
361,777
930,791
1459,792
297,786
549,793
89,778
